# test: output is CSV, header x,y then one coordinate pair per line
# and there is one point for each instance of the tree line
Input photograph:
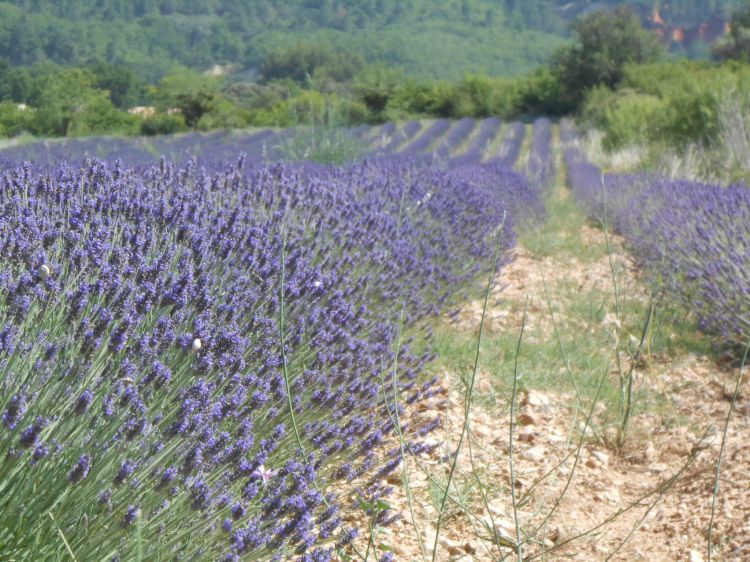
x,y
310,82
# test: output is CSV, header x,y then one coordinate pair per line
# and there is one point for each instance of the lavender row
x,y
209,147
266,145
207,356
692,238
427,138
541,165
510,148
383,134
396,139
456,136
476,150
404,135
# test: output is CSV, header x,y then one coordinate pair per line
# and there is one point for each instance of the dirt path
x,y
579,494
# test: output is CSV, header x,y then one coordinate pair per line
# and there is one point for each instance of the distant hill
x,y
435,38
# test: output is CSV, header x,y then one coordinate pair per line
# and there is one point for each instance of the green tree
x,y
125,89
13,120
68,103
735,45
192,93
304,60
376,86
604,43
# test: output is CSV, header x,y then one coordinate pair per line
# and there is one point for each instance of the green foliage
x,y
540,93
626,117
427,39
162,124
666,103
16,84
321,134
376,86
69,104
223,115
474,96
124,87
736,45
674,104
249,95
14,120
303,61
193,94
605,43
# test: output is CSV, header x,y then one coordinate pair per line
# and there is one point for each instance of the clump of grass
x,y
324,139
561,235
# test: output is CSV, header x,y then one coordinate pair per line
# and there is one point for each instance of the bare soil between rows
x,y
650,500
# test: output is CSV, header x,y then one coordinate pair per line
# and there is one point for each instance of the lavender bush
x,y
510,148
541,166
208,147
456,136
427,138
193,360
405,134
692,238
476,150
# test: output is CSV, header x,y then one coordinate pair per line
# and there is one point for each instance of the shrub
x,y
625,117
162,124
201,363
14,121
685,233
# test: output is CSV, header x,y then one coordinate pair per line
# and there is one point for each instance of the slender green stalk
x,y
581,439
139,538
397,422
62,536
563,352
717,478
290,403
659,494
519,548
609,252
481,486
659,491
629,406
470,391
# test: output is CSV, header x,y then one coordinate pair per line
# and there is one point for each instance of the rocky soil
x,y
577,496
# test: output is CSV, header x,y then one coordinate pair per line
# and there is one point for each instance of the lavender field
x,y
210,350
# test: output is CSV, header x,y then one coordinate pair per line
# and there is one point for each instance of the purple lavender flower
x,y
83,402
40,451
131,515
126,469
80,470
30,435
158,258
16,409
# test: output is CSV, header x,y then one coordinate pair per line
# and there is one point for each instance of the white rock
x,y
535,399
601,457
497,507
534,454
